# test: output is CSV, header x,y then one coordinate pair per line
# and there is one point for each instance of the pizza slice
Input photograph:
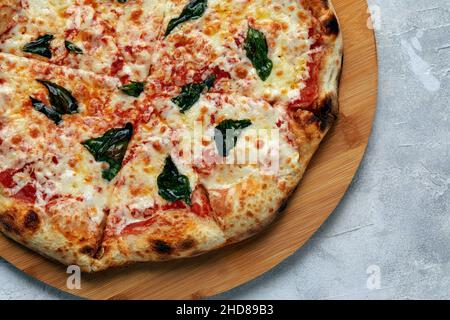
x,y
245,155
158,209
265,49
106,37
53,197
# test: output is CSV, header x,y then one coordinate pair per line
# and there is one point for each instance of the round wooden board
x,y
324,184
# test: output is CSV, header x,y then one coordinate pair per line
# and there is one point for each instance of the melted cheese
x,y
219,36
261,149
134,191
64,174
287,38
111,44
35,18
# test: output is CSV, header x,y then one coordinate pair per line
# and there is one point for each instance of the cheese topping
x,y
45,162
264,148
219,38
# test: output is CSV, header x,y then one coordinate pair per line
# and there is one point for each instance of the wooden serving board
x,y
324,184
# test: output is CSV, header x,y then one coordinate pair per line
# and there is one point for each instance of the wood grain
x,y
324,184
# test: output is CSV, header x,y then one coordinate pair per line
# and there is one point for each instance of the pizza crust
x,y
331,64
50,200
182,235
33,229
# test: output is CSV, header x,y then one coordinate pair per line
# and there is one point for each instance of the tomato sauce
x,y
310,92
27,193
117,66
6,178
133,228
200,203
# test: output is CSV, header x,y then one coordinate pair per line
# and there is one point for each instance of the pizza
x,y
143,130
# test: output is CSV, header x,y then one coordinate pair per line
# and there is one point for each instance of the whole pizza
x,y
143,130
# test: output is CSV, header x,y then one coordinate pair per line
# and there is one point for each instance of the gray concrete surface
x,y
390,236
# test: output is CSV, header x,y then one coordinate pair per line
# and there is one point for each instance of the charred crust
x,y
324,114
187,244
283,205
101,249
7,221
341,67
100,252
321,113
318,7
31,221
322,10
88,250
162,247
331,26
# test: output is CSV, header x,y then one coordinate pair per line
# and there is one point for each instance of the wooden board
x,y
324,184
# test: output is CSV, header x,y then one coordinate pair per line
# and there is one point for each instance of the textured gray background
x,y
393,224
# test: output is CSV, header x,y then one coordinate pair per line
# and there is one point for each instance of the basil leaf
x,y
72,47
60,98
122,1
227,133
190,93
257,50
40,46
110,148
133,89
192,11
48,111
173,186
209,82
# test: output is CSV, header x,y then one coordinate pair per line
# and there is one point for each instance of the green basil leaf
x,y
133,89
72,47
40,46
227,133
192,11
46,110
257,51
122,1
209,82
190,93
60,98
110,148
172,185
